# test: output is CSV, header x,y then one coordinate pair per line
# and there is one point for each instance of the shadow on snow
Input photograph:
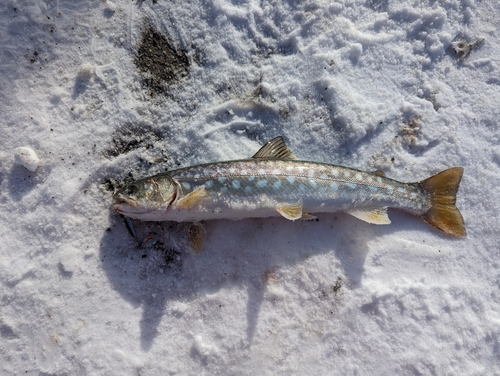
x,y
236,253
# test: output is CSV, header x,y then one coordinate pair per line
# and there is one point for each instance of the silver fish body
x,y
255,188
273,183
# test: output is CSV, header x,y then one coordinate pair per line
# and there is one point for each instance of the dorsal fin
x,y
275,149
379,173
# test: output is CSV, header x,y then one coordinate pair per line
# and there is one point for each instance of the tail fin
x,y
442,189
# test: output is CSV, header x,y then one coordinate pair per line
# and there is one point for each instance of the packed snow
x,y
95,94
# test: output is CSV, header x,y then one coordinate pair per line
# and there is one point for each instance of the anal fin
x,y
192,198
376,216
291,211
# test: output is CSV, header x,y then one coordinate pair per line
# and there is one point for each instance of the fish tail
x,y
442,189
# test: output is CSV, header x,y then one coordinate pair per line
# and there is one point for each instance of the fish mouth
x,y
121,201
128,210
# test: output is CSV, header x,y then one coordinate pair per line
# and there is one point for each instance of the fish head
x,y
146,198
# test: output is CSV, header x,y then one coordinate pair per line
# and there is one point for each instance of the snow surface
x,y
370,84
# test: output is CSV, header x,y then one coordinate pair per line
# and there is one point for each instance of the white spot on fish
x,y
289,168
276,172
334,187
335,173
261,172
261,184
244,172
323,176
372,189
221,179
236,184
401,190
351,185
186,185
251,178
206,171
302,188
413,195
223,189
358,176
277,185
347,174
248,189
313,183
379,179
310,173
209,184
197,176
291,179
390,190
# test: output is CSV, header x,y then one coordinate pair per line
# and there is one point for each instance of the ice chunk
x,y
110,6
68,259
28,158
86,70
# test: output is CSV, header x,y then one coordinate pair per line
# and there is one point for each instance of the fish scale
x,y
273,182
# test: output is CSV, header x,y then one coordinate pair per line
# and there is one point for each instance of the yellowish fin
x,y
196,236
291,211
308,217
376,216
442,189
191,199
275,149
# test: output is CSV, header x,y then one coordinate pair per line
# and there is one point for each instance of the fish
x,y
273,182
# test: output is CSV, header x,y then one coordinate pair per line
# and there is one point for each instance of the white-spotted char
x,y
273,182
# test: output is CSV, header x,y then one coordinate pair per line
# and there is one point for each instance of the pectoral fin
x,y
291,211
376,216
196,236
188,201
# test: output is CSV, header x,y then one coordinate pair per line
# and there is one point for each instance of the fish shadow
x,y
236,253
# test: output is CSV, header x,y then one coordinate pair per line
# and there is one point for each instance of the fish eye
x,y
131,189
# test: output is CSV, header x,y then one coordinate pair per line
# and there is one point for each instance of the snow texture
x,y
106,92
